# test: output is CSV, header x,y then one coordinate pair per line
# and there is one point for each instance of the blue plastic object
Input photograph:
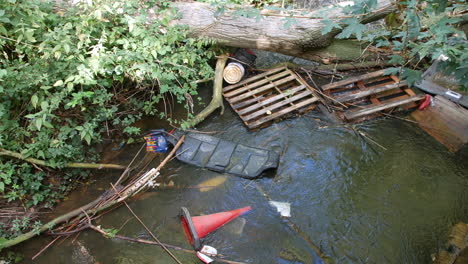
x,y
156,141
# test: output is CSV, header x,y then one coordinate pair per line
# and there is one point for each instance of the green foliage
x,y
16,227
69,73
426,32
110,232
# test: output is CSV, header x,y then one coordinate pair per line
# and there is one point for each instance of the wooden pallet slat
x,y
270,100
258,90
254,78
282,112
368,92
253,85
353,80
277,105
363,112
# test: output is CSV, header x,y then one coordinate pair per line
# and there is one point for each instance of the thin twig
x,y
128,166
149,231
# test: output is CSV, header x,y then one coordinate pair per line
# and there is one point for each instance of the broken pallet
x,y
365,96
268,96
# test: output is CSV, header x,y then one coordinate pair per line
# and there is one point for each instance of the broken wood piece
x,y
369,110
270,95
445,121
353,80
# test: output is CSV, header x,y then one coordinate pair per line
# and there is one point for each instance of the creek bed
x,y
358,202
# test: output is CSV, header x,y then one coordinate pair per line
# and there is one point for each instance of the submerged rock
x,y
81,254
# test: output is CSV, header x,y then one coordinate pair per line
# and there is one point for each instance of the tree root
x,y
217,100
4,152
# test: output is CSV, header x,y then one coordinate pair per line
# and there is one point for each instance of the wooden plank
x,y
270,100
365,93
282,112
353,80
255,84
259,97
258,90
369,110
253,78
446,122
277,105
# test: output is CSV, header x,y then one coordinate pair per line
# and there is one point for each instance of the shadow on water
x,y
358,202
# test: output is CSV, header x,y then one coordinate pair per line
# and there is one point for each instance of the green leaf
x,y
411,76
58,83
329,26
87,137
40,153
353,28
391,71
38,123
396,59
34,100
44,105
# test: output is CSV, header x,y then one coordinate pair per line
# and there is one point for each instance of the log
x,y
302,39
4,152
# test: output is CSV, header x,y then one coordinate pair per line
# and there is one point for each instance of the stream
x,y
358,202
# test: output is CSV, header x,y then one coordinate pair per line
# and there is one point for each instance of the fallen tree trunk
x,y
302,39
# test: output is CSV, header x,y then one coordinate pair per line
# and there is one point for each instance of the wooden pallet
x,y
268,96
366,96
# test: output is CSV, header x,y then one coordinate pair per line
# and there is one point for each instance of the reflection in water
x,y
357,202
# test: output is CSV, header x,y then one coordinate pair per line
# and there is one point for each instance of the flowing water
x,y
359,202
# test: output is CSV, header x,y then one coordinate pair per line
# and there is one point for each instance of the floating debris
x,y
197,227
209,251
212,183
364,97
204,257
269,96
156,141
224,156
283,208
206,252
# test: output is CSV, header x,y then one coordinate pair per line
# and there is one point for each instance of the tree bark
x,y
302,39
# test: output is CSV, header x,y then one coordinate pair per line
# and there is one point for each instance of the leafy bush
x,y
69,72
420,32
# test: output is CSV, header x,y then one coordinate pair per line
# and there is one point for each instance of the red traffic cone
x,y
198,227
